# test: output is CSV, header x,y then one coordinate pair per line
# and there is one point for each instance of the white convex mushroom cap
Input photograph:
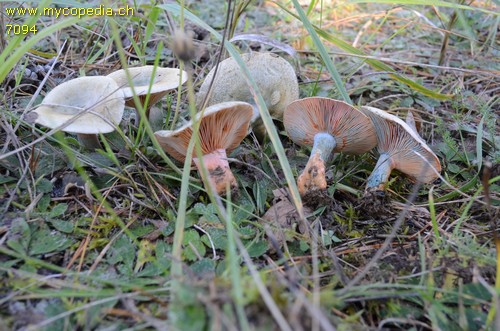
x,y
400,148
163,81
85,105
273,75
222,128
327,125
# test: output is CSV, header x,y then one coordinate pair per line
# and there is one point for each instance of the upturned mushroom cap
x,y
274,76
327,125
406,150
98,98
352,130
165,79
222,128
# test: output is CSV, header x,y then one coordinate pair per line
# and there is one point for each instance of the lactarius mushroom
x,y
222,128
147,79
401,148
86,106
273,75
327,125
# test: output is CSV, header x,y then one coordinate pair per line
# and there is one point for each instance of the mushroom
x,y
86,106
143,82
327,125
222,128
401,148
274,76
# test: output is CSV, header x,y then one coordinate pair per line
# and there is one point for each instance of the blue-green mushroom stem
x,y
324,143
380,174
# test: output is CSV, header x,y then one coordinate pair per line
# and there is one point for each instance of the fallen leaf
x,y
284,215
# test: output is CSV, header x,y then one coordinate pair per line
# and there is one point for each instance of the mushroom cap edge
x,y
175,142
68,99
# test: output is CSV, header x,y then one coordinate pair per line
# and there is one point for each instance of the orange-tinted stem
x,y
313,177
219,173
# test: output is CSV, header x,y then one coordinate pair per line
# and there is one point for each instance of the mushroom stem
x,y
131,103
219,173
89,141
313,177
380,174
324,143
154,98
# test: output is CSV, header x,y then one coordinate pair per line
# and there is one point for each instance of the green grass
x,y
128,238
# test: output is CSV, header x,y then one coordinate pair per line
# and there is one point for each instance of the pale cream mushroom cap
x,y
98,98
408,152
274,76
165,79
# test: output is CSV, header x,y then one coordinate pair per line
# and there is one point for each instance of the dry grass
x,y
88,240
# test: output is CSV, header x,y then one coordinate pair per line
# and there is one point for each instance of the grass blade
x,y
175,9
479,144
233,262
427,3
9,57
432,210
323,52
375,63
